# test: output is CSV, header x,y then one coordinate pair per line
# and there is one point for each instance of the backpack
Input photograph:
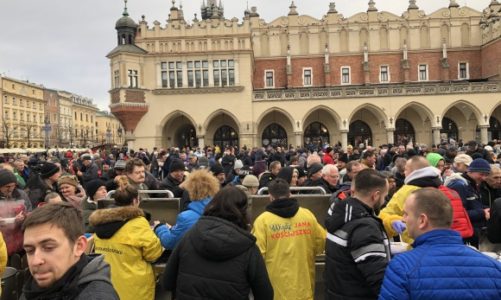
x,y
494,223
460,220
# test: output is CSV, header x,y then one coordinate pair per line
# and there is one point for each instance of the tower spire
x,y
412,4
372,6
125,13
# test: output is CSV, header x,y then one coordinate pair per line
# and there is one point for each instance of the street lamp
x,y
108,135
119,132
47,129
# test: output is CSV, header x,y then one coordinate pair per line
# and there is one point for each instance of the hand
x,y
79,173
20,217
398,226
487,213
155,223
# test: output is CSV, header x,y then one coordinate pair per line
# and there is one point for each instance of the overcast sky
x,y
62,43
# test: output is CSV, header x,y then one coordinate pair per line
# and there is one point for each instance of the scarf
x,y
64,288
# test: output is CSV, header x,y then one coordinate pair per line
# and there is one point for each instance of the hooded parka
x,y
129,245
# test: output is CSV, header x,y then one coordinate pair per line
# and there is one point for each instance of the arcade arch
x,y
460,121
275,127
179,130
371,128
222,129
321,125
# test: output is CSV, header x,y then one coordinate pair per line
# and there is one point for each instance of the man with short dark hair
x,y
269,176
289,237
357,250
59,269
89,170
440,266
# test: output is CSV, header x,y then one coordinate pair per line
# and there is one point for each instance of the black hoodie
x,y
217,260
357,251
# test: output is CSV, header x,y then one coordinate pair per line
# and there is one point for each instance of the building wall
x,y
23,113
153,115
108,129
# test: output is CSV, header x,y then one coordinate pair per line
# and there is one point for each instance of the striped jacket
x,y
357,251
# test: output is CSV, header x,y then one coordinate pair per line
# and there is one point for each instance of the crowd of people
x,y
439,202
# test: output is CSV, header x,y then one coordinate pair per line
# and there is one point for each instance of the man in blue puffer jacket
x,y
440,266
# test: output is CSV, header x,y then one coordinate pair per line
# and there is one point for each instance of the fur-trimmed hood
x,y
108,221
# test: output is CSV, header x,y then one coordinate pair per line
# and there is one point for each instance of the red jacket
x,y
328,159
460,220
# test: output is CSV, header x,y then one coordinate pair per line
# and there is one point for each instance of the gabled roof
x,y
127,48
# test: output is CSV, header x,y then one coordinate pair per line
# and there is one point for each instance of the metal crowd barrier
x,y
314,189
164,209
149,192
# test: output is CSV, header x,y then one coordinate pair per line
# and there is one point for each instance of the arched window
x,y
449,130
359,133
274,135
226,136
316,135
494,129
186,136
404,132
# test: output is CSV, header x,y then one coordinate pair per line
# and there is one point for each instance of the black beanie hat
x,y
217,169
286,174
48,169
92,186
314,168
7,177
177,165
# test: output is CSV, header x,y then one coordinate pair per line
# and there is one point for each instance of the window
x,y
423,72
224,72
21,102
116,78
307,77
133,82
269,78
86,118
75,115
345,75
384,74
21,117
198,73
463,72
14,115
40,106
5,100
81,116
14,101
6,115
172,74
41,118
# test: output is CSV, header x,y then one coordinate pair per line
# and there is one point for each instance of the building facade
x,y
51,119
65,129
372,78
23,114
108,129
84,127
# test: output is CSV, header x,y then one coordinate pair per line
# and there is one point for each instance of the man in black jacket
x,y
59,269
357,250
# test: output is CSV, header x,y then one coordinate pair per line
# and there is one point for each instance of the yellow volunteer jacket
x,y
289,247
394,211
129,245
3,258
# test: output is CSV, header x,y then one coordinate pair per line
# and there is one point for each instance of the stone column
x,y
484,134
298,138
201,141
390,135
344,138
436,135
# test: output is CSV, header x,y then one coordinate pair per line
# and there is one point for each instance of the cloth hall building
x,y
372,78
